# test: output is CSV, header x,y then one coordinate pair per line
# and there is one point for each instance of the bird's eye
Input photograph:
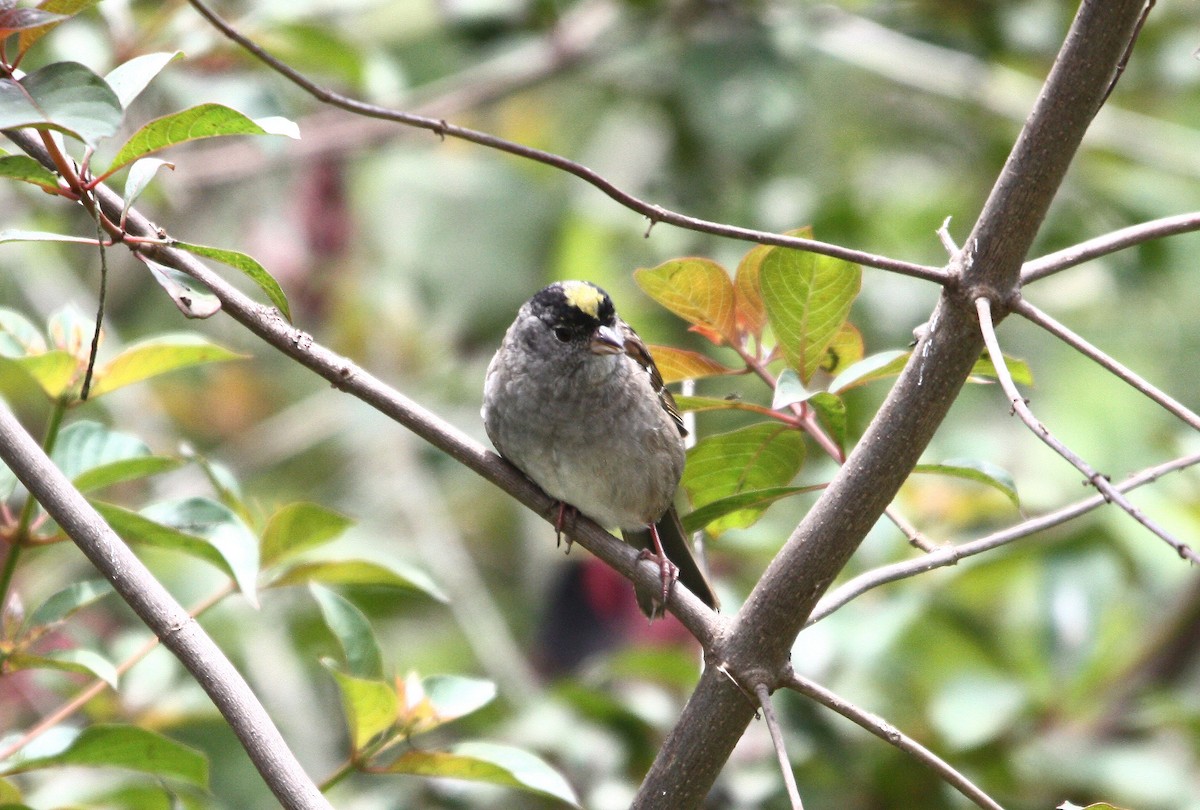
x,y
562,333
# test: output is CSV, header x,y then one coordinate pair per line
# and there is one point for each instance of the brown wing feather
x,y
637,350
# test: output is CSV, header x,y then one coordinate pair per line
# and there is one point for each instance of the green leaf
x,y
64,8
1018,369
82,662
28,170
807,299
754,458
18,335
360,572
298,527
370,705
789,390
873,367
71,330
752,499
353,632
221,528
155,356
86,444
18,235
55,372
487,762
846,349
62,604
140,174
427,703
982,472
65,96
13,20
130,469
10,797
454,696
698,404
222,479
251,268
128,747
832,411
191,297
194,123
149,795
198,527
681,364
129,79
697,290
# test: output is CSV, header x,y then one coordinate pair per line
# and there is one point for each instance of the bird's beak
x,y
606,341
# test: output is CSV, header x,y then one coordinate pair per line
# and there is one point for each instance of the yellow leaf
x,y
697,290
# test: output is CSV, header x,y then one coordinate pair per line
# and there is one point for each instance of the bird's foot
x,y
668,572
566,515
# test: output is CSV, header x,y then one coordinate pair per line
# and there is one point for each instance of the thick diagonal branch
x,y
759,642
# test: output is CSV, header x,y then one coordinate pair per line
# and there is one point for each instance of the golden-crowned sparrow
x,y
573,399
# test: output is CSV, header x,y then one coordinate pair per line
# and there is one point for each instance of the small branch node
x,y
725,669
947,240
653,217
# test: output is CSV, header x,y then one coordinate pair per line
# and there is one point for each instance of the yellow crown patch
x,y
583,297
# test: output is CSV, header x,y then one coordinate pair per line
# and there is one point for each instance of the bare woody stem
x,y
758,643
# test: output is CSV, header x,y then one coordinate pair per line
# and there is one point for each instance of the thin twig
x,y
772,720
1037,316
1128,50
100,296
654,213
950,555
915,538
984,308
943,234
1109,243
892,735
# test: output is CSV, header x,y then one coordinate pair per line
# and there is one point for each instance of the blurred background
x,y
1063,667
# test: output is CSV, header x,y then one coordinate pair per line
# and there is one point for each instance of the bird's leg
x,y
667,570
565,512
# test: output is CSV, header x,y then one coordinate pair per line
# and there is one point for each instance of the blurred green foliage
x,y
1063,667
